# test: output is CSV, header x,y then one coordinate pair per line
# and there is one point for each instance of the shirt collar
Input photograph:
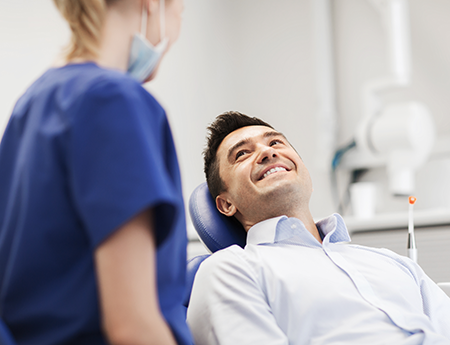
x,y
333,228
263,232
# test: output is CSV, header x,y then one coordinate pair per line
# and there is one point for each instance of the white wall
x,y
31,35
255,56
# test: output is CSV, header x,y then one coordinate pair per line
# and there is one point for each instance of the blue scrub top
x,y
85,150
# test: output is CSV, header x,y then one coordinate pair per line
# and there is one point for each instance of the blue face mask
x,y
144,56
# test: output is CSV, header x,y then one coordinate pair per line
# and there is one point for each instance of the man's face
x,y
263,175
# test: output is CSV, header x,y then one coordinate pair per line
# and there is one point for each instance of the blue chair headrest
x,y
216,230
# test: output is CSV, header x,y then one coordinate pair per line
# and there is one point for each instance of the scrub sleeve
x,y
117,161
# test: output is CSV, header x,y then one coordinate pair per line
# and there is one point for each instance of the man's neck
x,y
312,228
308,221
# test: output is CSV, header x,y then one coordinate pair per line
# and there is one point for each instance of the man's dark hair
x,y
223,125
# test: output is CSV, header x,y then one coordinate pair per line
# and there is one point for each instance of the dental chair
x,y
215,230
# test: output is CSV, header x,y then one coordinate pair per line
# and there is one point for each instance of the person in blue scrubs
x,y
92,222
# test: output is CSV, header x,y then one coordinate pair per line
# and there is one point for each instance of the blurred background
x,y
306,67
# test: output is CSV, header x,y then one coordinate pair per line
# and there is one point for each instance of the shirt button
x,y
293,226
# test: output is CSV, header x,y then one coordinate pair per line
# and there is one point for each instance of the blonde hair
x,y
85,18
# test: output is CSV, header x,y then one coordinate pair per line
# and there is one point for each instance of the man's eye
x,y
239,154
275,142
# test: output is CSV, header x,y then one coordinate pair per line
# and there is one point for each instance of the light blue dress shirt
x,y
287,288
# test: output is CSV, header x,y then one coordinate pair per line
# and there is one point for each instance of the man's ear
x,y
225,206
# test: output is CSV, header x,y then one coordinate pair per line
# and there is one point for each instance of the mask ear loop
x,y
162,19
144,18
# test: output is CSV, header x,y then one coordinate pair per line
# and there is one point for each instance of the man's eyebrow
x,y
236,146
271,134
243,142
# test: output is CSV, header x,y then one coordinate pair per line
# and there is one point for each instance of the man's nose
x,y
266,153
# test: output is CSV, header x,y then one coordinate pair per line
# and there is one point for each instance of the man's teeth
x,y
271,171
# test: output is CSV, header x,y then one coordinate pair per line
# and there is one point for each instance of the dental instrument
x,y
412,249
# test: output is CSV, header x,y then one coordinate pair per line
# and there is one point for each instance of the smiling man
x,y
298,282
278,184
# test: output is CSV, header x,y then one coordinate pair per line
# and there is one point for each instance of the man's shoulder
x,y
400,260
381,251
231,260
227,255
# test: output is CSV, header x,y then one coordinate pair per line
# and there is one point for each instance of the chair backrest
x,y
216,230
5,335
191,269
